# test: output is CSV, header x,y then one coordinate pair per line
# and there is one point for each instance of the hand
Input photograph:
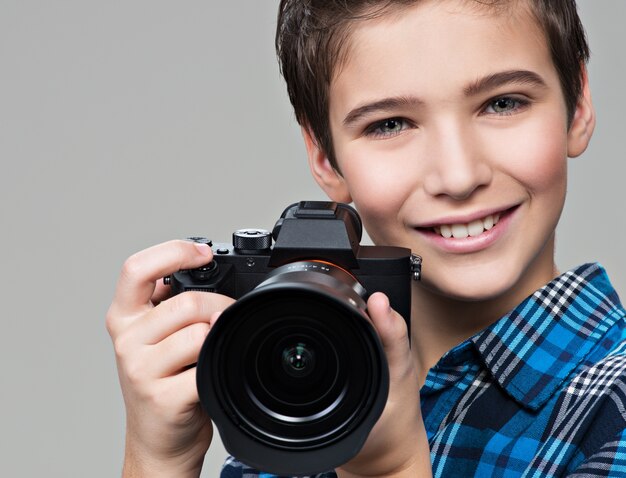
x,y
397,446
157,342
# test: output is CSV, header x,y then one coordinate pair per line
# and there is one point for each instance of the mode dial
x,y
252,240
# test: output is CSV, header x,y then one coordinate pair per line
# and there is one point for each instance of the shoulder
x,y
600,379
603,372
591,411
583,428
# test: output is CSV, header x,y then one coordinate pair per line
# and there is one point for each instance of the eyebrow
x,y
385,104
489,82
495,80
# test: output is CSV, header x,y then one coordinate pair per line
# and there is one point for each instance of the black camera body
x,y
309,230
293,373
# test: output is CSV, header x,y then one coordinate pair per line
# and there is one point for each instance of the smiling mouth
x,y
470,229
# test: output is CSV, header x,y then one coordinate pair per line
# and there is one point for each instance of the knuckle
x,y
196,333
110,320
122,346
135,372
132,267
187,305
402,330
160,400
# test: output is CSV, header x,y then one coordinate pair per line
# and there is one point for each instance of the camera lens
x,y
298,360
293,373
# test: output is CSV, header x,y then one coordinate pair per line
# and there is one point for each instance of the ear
x,y
584,121
323,172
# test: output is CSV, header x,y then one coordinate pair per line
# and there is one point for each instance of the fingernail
x,y
203,249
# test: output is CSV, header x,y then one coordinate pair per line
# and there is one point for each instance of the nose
x,y
458,165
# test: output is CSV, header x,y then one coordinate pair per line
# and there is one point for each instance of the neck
x,y
439,323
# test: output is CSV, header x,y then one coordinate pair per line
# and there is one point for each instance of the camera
x,y
293,373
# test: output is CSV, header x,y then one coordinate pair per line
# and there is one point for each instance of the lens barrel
x,y
293,373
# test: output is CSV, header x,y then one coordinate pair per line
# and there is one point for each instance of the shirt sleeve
x,y
235,469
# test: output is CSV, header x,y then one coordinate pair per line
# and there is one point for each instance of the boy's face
x,y
448,119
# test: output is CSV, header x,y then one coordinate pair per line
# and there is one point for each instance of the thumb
x,y
391,328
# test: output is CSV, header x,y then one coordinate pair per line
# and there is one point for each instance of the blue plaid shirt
x,y
540,393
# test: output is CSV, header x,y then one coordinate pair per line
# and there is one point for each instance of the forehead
x,y
433,44
390,11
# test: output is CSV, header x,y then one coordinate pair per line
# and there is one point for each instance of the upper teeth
x,y
474,228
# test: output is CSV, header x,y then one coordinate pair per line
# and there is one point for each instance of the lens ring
x,y
353,399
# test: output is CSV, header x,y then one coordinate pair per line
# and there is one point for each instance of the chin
x,y
466,293
475,284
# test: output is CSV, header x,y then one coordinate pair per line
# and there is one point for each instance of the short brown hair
x,y
311,37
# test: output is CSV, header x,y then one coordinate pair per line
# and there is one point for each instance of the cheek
x,y
379,183
538,163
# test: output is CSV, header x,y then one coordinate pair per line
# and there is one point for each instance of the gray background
x,y
127,123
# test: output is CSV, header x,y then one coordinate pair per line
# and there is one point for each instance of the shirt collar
x,y
532,349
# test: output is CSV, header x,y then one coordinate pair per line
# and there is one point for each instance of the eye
x,y
387,128
505,105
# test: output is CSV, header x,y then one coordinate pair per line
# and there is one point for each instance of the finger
x,y
183,387
161,292
176,313
391,329
178,351
214,317
137,280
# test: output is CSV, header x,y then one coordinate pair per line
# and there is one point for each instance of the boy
x,y
448,123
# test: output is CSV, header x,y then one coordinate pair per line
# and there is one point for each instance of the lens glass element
x,y
298,360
